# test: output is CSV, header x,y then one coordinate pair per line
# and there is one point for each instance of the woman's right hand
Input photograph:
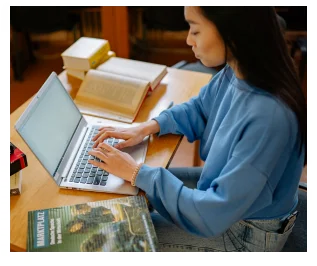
x,y
131,136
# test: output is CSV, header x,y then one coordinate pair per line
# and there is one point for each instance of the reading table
x,y
39,191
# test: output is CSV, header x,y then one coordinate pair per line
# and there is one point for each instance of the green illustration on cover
x,y
122,224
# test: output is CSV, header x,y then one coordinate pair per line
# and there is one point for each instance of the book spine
x,y
29,241
95,60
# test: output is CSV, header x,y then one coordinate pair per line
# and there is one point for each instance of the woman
x,y
251,123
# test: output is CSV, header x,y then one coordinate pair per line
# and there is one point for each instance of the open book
x,y
117,88
150,72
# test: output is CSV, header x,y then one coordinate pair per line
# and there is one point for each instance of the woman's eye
x,y
195,33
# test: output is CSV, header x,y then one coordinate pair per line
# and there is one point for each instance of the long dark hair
x,y
254,38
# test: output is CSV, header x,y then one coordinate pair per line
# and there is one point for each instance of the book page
x,y
150,72
112,92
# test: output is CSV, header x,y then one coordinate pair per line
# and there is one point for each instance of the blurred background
x,y
38,36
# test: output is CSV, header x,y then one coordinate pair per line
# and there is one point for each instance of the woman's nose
x,y
189,40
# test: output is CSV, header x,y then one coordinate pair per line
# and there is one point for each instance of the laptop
x,y
60,137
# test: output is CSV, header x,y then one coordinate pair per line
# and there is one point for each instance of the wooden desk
x,y
39,191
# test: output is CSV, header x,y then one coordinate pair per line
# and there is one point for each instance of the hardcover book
x,y
80,74
122,224
86,53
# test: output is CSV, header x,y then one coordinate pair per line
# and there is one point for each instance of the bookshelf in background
x,y
107,22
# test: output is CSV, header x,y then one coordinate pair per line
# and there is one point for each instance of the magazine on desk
x,y
117,88
122,224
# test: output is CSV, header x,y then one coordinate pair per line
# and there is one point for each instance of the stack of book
x,y
108,86
17,163
85,54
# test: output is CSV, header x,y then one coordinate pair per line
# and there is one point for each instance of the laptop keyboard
x,y
85,172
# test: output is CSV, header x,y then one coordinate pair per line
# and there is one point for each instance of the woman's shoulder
x,y
272,114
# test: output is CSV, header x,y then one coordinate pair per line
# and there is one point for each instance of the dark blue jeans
x,y
245,235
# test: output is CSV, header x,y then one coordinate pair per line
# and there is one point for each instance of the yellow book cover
x,y
86,53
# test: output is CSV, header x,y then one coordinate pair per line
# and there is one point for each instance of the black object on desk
x,y
12,147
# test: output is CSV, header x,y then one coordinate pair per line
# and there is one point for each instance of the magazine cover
x,y
122,224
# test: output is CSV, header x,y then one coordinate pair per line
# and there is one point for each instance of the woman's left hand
x,y
115,162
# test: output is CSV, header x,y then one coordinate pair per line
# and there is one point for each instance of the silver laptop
x,y
60,137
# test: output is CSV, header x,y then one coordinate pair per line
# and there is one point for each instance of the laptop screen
x,y
50,123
